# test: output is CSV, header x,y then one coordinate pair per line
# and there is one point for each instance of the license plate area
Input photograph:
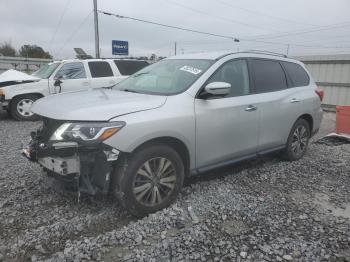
x,y
61,165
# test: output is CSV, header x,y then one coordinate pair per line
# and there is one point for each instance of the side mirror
x,y
218,88
57,82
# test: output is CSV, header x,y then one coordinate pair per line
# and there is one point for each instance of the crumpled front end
x,y
87,163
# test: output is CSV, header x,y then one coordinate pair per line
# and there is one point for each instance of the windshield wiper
x,y
139,74
129,90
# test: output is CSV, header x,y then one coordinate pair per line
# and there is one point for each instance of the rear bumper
x,y
317,120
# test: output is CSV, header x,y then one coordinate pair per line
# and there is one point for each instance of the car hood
x,y
13,77
95,105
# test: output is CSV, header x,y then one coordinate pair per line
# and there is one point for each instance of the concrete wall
x,y
332,74
21,63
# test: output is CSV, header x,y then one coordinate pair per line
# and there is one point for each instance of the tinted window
x,y
128,67
268,76
100,69
235,73
73,70
297,74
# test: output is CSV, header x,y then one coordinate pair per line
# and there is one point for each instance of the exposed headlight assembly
x,y
87,131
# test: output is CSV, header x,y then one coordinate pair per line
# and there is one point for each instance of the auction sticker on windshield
x,y
191,70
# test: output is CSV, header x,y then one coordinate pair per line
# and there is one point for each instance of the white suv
x,y
63,76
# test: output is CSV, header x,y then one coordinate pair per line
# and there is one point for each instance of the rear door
x,y
227,127
70,77
276,108
101,74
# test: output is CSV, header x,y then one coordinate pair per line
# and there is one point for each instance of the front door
x,y
70,77
227,127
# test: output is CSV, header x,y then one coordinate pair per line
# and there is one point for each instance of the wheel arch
x,y
40,95
308,118
176,144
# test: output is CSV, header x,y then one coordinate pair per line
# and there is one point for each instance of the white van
x,y
18,94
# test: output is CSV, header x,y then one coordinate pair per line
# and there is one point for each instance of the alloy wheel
x,y
154,181
300,140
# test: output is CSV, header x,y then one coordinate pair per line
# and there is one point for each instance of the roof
x,y
206,55
96,59
218,55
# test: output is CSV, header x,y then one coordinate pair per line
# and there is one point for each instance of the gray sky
x,y
274,23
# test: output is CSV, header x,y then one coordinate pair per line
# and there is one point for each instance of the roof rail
x,y
264,52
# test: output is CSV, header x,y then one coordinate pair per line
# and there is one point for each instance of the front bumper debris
x,y
88,164
4,104
62,166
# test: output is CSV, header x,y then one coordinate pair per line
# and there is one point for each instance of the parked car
x,y
181,116
18,93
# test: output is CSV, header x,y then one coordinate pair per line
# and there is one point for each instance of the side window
x,y
297,74
100,69
268,76
129,67
235,73
73,70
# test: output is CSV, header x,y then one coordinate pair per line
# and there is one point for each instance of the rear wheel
x,y
298,140
20,108
149,180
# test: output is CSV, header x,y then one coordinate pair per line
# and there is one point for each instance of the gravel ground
x,y
261,210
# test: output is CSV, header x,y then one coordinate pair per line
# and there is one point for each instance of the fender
x,y
39,87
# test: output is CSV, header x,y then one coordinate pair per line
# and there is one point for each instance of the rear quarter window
x,y
100,69
128,67
297,74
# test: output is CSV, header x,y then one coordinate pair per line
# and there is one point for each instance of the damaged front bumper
x,y
88,165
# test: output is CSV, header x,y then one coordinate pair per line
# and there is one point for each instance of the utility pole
x,y
287,49
175,48
97,40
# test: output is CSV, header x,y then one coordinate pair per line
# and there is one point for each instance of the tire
x,y
19,108
137,181
298,140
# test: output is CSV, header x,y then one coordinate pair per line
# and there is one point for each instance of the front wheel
x,y
20,108
149,180
298,140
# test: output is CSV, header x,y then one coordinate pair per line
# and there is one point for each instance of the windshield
x,y
166,77
46,70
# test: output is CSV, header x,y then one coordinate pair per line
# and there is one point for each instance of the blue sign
x,y
120,47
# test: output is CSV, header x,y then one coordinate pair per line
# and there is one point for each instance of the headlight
x,y
87,131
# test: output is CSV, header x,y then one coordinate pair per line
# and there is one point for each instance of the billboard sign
x,y
120,47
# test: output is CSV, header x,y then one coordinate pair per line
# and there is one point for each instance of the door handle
x,y
85,83
294,100
251,108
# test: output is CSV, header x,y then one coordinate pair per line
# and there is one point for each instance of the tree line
x,y
30,51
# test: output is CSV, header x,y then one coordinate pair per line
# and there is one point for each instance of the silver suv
x,y
181,116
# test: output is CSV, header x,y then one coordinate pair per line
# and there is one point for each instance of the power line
x,y
263,14
219,17
170,26
74,33
59,22
211,34
298,32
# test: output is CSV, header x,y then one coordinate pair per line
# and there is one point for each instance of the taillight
x,y
320,93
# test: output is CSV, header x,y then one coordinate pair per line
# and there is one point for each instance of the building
x,y
332,74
